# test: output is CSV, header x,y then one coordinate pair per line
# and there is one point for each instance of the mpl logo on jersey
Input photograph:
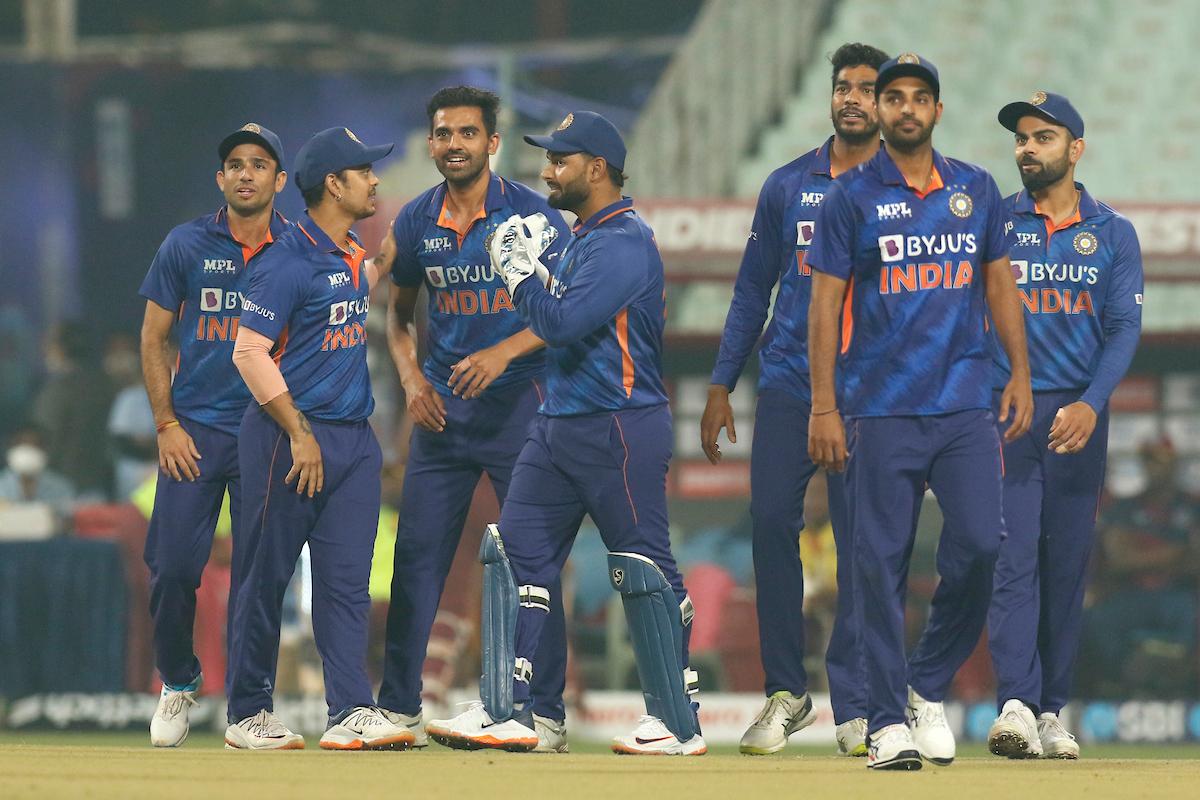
x,y
804,232
811,198
218,265
1028,239
923,272
339,279
437,244
886,211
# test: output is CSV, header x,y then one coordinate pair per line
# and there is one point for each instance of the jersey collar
x,y
625,204
497,196
890,174
220,222
1088,207
321,240
821,159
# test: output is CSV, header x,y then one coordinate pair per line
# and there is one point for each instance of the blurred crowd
x,y
78,431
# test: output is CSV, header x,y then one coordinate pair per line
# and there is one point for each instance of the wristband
x,y
165,425
822,413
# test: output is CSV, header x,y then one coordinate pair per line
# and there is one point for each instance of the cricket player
x,y
1078,267
309,459
780,468
910,259
473,399
193,289
600,446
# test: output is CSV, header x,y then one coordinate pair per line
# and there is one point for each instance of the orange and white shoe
x,y
366,728
651,738
475,730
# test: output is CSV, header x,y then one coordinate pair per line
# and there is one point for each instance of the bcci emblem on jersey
x,y
961,205
1086,243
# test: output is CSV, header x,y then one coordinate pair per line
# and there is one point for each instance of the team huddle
x,y
926,334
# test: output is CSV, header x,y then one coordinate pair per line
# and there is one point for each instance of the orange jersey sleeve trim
x,y
627,375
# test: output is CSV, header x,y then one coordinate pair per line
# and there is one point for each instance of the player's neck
x,y
465,201
250,231
336,223
1059,201
846,155
915,165
599,200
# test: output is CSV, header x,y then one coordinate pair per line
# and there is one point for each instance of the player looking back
x,y
309,459
194,288
910,256
1078,267
780,468
473,399
599,446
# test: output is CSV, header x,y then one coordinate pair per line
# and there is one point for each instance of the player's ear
x,y
937,116
280,181
221,180
598,169
493,143
1075,152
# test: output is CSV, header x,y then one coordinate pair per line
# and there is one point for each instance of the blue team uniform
x,y
311,297
469,310
602,441
200,272
1081,286
780,468
915,379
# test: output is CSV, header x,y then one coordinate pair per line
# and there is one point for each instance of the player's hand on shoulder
x,y
827,440
425,405
1017,401
718,414
1072,428
470,376
177,453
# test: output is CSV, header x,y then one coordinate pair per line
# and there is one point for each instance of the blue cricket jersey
x,y
788,202
1081,284
311,297
914,332
200,273
469,306
602,318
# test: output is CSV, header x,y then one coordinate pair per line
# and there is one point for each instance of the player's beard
x,y
466,176
1051,172
856,137
907,142
569,196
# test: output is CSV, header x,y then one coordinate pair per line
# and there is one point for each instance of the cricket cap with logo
x,y
908,65
333,150
1046,105
252,133
585,132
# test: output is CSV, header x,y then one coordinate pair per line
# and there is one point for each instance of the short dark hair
x,y
314,194
615,175
487,102
856,54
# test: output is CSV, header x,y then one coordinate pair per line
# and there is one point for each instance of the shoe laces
x,y
931,714
363,717
1057,729
859,726
773,708
264,725
176,703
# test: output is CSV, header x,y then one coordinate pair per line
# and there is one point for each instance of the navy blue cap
x,y
585,132
908,65
252,133
1047,105
333,150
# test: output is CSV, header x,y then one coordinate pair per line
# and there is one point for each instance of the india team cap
x,y
1046,105
252,133
585,132
908,65
333,150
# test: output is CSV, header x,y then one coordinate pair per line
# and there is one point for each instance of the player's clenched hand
x,y
1017,398
1072,427
476,372
425,405
177,454
827,441
717,414
307,468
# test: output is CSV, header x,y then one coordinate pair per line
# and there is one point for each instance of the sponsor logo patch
x,y
436,276
1020,271
337,313
804,231
210,299
891,248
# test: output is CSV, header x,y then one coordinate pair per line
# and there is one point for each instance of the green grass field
x,y
122,765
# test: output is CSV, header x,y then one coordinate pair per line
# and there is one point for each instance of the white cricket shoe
x,y
169,725
365,728
783,715
552,735
1056,741
651,738
474,730
930,731
852,737
892,747
1014,734
263,731
411,721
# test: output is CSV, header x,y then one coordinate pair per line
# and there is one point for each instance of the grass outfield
x,y
122,765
